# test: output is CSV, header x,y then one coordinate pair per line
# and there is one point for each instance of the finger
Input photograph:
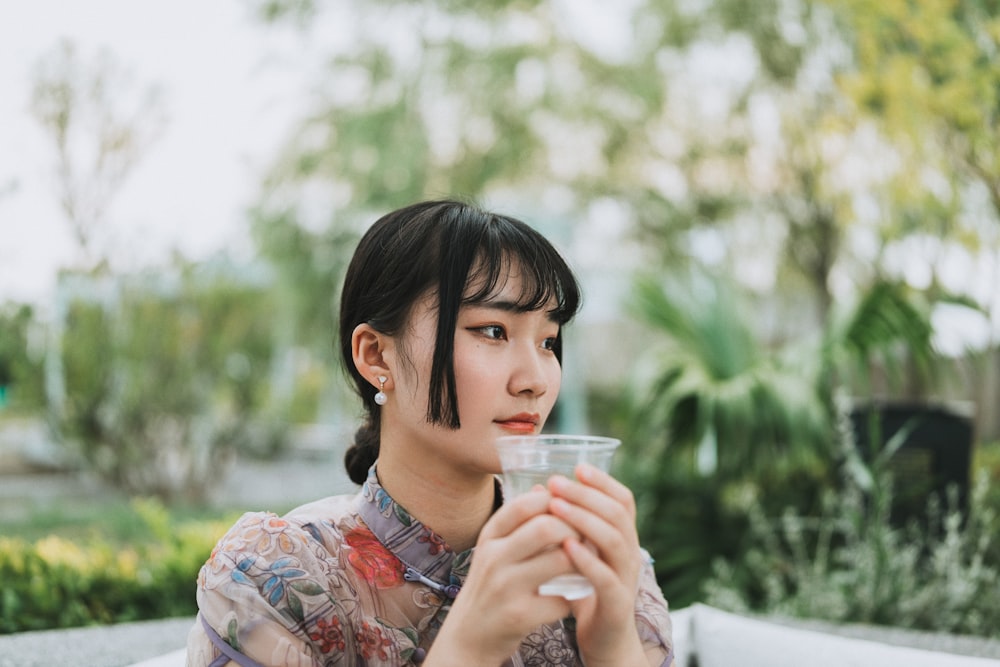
x,y
538,534
594,477
514,513
598,502
614,542
543,566
597,572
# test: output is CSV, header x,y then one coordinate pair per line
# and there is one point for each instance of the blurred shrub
x,y
163,384
986,460
850,563
687,521
56,583
21,385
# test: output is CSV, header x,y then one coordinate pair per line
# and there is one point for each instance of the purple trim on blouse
x,y
228,652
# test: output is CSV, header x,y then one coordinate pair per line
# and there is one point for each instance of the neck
x,y
453,506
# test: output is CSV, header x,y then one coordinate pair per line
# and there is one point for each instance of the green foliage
x,y
888,328
308,269
934,59
767,25
481,101
850,563
725,424
722,421
716,393
56,583
986,460
925,73
20,366
688,522
163,385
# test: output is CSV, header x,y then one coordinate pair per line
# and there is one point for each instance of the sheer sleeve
x,y
245,597
652,616
271,643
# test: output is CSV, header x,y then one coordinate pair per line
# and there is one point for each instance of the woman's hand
x,y
517,551
602,510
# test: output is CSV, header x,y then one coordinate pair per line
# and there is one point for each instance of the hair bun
x,y
361,455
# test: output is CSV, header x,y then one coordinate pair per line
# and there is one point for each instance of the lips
x,y
524,422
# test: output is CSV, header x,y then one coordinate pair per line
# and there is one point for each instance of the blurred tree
x,y
20,359
926,75
100,126
438,97
308,269
718,125
167,378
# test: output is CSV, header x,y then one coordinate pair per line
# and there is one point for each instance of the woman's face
x,y
507,380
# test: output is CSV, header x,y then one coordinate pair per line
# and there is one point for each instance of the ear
x,y
371,350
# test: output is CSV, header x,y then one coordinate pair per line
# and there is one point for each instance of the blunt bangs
x,y
546,281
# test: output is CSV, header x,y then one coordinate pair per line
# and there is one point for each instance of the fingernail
x,y
558,482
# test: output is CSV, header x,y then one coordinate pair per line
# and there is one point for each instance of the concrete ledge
x,y
173,659
100,646
715,638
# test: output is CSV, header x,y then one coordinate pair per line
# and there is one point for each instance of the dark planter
x,y
935,456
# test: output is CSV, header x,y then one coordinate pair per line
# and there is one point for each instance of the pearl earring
x,y
380,397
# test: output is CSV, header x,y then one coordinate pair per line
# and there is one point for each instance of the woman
x,y
450,328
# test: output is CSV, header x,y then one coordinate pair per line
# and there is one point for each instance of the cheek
x,y
472,367
555,380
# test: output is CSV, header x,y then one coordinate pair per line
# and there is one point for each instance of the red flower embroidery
x,y
329,634
435,541
371,642
372,560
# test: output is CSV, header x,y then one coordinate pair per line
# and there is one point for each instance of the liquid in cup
x,y
528,460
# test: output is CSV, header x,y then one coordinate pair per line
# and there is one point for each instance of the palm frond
x,y
715,386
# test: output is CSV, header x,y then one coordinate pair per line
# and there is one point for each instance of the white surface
x,y
721,639
174,659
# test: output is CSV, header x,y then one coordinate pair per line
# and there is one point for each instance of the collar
x,y
426,555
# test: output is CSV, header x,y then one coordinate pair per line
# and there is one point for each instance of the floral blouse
x,y
355,581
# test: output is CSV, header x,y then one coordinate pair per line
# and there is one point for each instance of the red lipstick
x,y
521,423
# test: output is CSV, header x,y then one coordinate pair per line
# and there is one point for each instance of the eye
x,y
492,331
549,344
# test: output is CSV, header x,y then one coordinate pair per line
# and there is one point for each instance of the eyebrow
x,y
507,307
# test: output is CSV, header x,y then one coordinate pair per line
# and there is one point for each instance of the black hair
x,y
463,255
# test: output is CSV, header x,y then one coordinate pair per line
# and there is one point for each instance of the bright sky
x,y
231,88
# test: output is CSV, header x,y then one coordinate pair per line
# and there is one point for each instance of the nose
x,y
529,372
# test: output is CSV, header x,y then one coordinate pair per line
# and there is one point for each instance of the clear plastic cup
x,y
527,460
